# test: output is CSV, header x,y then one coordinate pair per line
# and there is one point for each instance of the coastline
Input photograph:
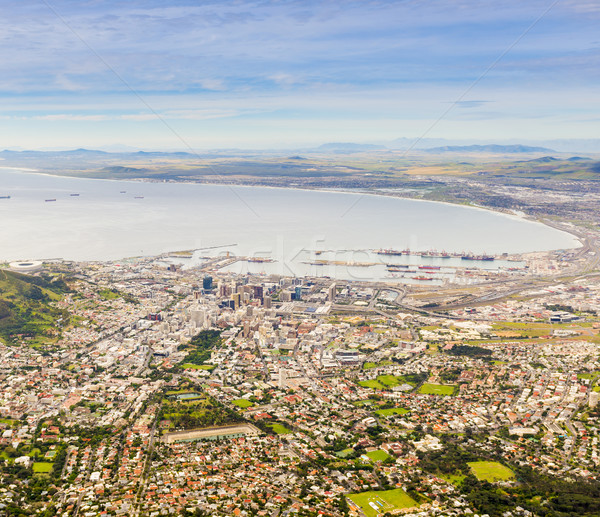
x,y
360,192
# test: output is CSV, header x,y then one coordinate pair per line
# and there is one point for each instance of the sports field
x,y
279,429
379,455
241,403
392,411
42,467
190,366
491,471
377,503
436,389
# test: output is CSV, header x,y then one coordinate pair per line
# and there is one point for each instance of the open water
x,y
82,219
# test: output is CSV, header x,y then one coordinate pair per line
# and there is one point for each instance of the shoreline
x,y
359,191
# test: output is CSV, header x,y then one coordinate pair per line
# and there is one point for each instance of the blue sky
x,y
269,74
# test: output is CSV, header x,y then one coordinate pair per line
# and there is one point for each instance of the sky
x,y
274,74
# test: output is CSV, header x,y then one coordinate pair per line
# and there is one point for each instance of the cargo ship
x,y
4,197
138,197
49,200
74,195
430,267
388,252
422,278
478,257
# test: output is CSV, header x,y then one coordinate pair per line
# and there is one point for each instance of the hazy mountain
x,y
349,147
489,148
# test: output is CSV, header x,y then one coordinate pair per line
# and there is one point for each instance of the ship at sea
x,y
430,267
4,197
49,200
388,252
478,257
422,278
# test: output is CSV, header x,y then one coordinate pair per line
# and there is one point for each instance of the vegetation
x,y
200,346
242,403
391,411
437,389
385,501
199,411
41,467
378,455
490,471
279,429
469,351
25,309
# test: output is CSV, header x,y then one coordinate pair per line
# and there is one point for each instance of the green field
x,y
389,380
384,381
279,429
368,366
198,366
436,389
379,455
490,471
344,453
371,384
42,467
588,376
385,501
242,403
455,479
392,411
360,403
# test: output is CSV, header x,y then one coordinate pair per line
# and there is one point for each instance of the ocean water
x,y
109,220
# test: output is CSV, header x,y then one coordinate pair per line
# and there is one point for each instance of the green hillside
x,y
25,306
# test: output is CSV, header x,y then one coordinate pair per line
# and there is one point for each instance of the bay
x,y
83,219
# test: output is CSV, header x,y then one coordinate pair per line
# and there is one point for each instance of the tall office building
x,y
331,293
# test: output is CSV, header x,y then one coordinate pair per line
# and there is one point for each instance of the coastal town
x,y
160,389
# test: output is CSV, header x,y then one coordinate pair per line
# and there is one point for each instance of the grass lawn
x,y
279,429
243,403
368,366
366,402
198,366
42,467
384,501
436,389
490,471
392,411
455,479
382,382
379,455
345,453
587,376
371,384
388,380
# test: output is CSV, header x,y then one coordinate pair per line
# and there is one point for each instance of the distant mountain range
x,y
349,147
490,148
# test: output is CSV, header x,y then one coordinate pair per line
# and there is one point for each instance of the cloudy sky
x,y
170,74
